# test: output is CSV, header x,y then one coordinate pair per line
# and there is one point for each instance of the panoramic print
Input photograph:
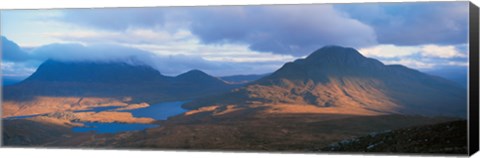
x,y
321,78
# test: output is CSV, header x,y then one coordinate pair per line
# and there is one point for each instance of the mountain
x,y
241,79
198,77
456,74
113,79
334,94
95,72
10,80
335,77
60,85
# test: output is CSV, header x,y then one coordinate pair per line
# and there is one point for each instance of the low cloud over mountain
x,y
18,62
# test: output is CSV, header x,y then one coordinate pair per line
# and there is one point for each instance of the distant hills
x,y
234,79
456,74
242,79
198,77
336,76
8,80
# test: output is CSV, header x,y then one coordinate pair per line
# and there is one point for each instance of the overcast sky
x,y
231,40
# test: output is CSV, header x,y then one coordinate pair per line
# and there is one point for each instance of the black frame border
x,y
473,123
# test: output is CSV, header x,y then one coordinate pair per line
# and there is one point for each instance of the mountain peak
x,y
329,61
194,72
339,58
333,52
198,76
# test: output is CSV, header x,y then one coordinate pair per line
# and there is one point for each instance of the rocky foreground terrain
x,y
448,138
240,130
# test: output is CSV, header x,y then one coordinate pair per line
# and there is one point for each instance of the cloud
x,y
118,19
166,64
389,51
16,69
426,51
294,29
181,42
130,36
12,52
78,52
420,23
412,63
287,29
441,51
426,64
115,53
244,39
421,56
280,29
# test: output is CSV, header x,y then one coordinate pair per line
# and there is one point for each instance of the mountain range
x,y
332,95
113,79
339,77
66,85
332,77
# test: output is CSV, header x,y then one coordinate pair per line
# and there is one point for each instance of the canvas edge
x,y
473,116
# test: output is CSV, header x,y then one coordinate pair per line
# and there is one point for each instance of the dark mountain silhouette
x,y
339,77
241,79
112,79
198,77
11,51
95,72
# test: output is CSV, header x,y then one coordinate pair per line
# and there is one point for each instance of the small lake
x,y
102,128
159,111
21,117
